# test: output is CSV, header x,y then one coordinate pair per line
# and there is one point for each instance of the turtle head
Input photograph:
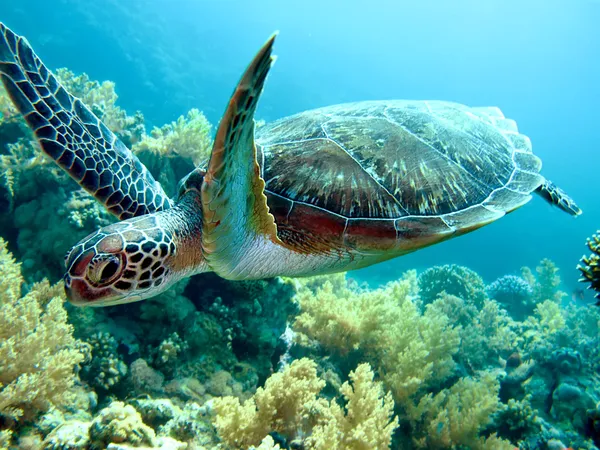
x,y
133,260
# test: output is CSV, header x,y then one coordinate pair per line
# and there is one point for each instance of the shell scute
x,y
522,181
304,126
506,200
415,232
307,228
436,168
471,218
320,173
377,235
520,142
527,161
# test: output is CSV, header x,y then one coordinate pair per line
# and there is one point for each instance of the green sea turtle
x,y
326,190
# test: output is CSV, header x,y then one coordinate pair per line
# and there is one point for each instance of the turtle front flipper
x,y
236,216
74,137
556,196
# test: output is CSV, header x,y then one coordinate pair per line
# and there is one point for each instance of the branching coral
x,y
105,368
289,406
547,321
582,331
5,438
516,420
452,279
590,265
22,155
454,417
175,149
366,424
188,137
38,352
485,334
282,406
514,294
545,282
410,349
120,424
338,281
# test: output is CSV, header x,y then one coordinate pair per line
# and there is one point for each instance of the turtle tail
x,y
556,196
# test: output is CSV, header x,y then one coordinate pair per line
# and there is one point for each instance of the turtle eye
x,y
103,270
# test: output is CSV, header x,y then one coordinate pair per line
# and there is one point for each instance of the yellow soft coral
x,y
545,283
282,406
547,320
411,349
338,283
188,137
455,416
38,353
365,425
288,405
486,332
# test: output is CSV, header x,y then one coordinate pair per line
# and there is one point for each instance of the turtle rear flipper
x,y
236,215
556,196
74,137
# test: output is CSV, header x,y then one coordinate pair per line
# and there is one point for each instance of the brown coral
x,y
590,265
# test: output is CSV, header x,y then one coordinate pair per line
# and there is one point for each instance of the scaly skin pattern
x,y
74,137
137,258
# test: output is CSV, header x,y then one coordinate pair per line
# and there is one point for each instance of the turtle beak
x,y
79,293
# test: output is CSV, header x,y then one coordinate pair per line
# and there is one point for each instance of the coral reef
x,y
188,137
102,99
410,349
486,334
454,280
288,406
590,265
38,351
516,420
174,150
514,294
104,369
545,282
455,416
120,423
273,364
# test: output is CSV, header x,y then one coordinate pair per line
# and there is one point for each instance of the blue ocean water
x,y
536,60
